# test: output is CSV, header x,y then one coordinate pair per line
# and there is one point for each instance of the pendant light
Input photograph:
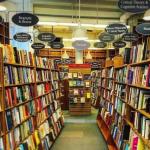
x,y
79,33
147,15
88,56
65,55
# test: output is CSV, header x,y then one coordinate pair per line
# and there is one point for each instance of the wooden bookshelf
x,y
39,102
125,100
76,106
4,33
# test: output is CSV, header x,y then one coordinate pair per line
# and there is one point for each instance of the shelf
x,y
40,82
146,142
139,86
19,65
12,85
42,68
120,67
120,83
146,114
140,63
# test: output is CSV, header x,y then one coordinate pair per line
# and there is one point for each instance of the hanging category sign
x,y
25,19
143,29
134,6
100,45
95,65
106,37
22,37
38,46
81,45
130,37
119,44
56,45
46,37
116,28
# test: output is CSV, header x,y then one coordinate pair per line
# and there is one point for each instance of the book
x,y
9,120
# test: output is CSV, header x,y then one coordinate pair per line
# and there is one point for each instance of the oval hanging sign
x,y
119,44
116,28
100,45
106,37
130,37
57,45
143,29
22,37
38,46
81,45
134,6
46,37
25,19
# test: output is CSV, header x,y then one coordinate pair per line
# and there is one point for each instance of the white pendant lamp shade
x,y
79,34
3,8
88,56
147,15
65,55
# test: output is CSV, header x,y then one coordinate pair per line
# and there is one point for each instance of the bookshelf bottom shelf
x,y
57,137
107,135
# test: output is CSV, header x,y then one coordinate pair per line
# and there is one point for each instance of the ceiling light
x,y
88,56
79,34
3,8
65,55
147,15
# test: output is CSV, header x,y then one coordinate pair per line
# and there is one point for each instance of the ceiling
x,y
92,12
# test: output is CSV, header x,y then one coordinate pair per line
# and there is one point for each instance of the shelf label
x,y
56,45
116,28
46,37
143,29
81,45
100,44
22,37
119,44
134,6
38,46
25,19
106,37
130,37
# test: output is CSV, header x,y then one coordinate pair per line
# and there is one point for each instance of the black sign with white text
x,y
25,19
22,37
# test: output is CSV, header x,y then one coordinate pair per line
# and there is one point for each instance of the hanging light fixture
x,y
65,55
147,15
79,33
88,56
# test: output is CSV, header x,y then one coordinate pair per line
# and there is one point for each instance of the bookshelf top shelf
x,y
18,65
120,67
141,63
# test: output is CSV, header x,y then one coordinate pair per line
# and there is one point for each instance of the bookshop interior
x,y
74,74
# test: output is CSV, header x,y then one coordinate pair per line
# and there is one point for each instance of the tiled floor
x,y
80,133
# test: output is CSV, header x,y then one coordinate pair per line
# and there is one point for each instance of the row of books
x,y
121,75
139,99
78,75
75,100
18,95
138,52
18,114
119,106
74,83
109,84
13,55
106,105
42,62
80,92
55,75
43,75
139,75
15,75
43,89
120,90
107,117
